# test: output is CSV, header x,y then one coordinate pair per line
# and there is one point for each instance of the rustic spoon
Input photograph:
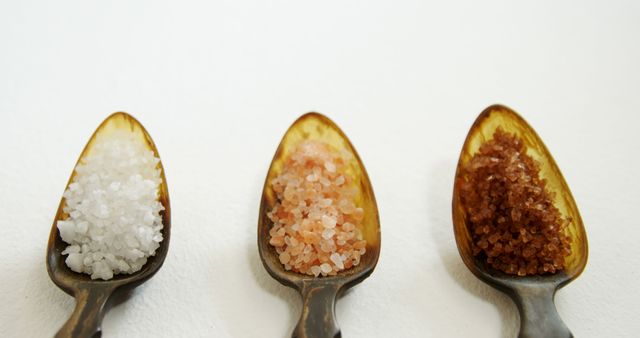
x,y
319,293
94,297
533,295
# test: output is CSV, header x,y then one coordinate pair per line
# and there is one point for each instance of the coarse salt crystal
x,y
328,233
284,258
325,202
330,167
325,268
337,260
328,221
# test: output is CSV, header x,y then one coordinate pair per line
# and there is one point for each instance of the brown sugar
x,y
317,227
511,217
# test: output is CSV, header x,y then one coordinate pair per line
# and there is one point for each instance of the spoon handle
x,y
86,319
538,315
318,312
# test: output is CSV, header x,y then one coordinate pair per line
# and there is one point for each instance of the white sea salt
x,y
114,221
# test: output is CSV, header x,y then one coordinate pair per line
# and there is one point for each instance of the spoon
x,y
319,293
533,295
95,297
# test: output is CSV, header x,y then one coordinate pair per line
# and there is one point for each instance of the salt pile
x,y
114,221
512,217
317,227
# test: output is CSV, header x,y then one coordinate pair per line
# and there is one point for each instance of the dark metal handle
x,y
318,312
538,315
86,319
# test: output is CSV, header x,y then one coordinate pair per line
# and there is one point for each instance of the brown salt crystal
x,y
512,219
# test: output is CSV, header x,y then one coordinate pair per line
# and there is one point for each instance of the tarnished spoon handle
x,y
318,313
86,319
538,315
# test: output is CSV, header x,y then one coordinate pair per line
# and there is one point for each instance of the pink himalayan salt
x,y
317,228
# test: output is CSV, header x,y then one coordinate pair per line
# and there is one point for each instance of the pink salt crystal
x,y
330,167
289,193
296,250
325,268
317,172
322,257
348,226
358,214
294,241
328,221
284,258
328,233
306,257
325,202
310,237
315,214
337,260
276,241
346,206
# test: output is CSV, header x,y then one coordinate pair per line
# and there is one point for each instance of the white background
x,y
217,83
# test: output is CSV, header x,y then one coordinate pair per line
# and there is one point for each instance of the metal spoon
x,y
319,294
94,297
533,295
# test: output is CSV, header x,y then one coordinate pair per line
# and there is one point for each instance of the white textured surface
x,y
216,83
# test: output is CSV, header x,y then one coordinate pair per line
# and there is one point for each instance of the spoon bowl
x,y
319,293
533,295
94,297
